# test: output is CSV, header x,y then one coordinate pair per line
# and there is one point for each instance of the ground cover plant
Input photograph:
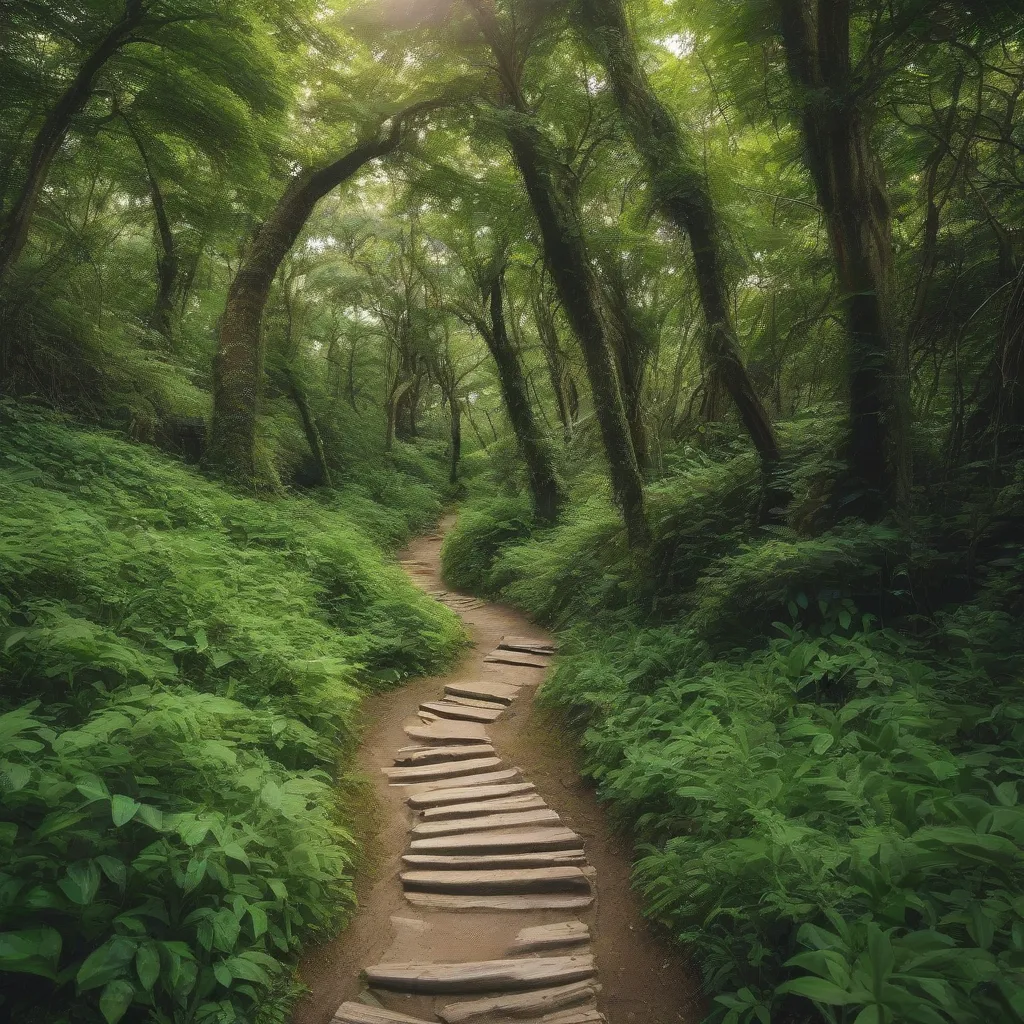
x,y
182,673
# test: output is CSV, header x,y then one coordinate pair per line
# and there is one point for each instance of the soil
x,y
643,979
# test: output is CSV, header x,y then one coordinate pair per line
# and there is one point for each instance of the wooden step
x,y
474,702
448,732
574,1017
498,692
527,802
485,862
461,713
487,823
452,902
469,794
430,772
506,776
481,975
525,840
437,755
551,936
359,1013
511,658
501,882
524,645
527,1004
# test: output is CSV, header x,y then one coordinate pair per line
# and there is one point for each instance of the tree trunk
x,y
455,408
569,265
238,366
167,262
544,489
848,178
309,426
680,189
53,132
553,358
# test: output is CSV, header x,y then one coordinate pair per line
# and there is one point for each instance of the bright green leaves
x,y
81,883
123,809
115,1000
106,963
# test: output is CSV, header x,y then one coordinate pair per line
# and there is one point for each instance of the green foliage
x,y
181,670
483,529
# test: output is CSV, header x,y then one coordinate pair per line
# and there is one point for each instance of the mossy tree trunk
x,y
544,487
309,425
680,189
238,365
847,174
554,359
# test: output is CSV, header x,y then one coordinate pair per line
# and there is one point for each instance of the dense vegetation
x,y
712,316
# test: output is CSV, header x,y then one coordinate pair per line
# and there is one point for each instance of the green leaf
x,y
226,930
147,964
259,920
114,869
106,963
823,742
818,989
81,883
115,1000
123,809
33,951
247,971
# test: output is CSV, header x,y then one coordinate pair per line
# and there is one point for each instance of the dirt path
x,y
642,981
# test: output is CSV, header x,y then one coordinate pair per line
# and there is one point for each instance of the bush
x,y
483,529
181,670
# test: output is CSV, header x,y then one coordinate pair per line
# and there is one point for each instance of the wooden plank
x,y
438,755
452,902
507,775
449,862
511,658
461,713
448,732
531,641
551,936
532,1004
487,823
498,882
468,794
498,692
521,841
574,1017
524,645
359,1013
481,975
429,772
525,802
474,702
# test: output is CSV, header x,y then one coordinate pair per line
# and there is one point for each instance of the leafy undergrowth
x,y
822,777
181,671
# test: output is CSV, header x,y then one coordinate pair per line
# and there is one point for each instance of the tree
x,y
568,262
238,367
681,191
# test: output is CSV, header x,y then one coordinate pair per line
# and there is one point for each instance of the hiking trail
x,y
496,890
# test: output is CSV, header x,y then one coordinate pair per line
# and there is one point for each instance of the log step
x,y
481,975
448,732
551,936
474,702
527,1004
524,645
498,883
491,861
527,802
430,772
514,904
461,713
574,1017
511,658
505,776
359,1013
487,823
436,755
498,692
524,840
468,794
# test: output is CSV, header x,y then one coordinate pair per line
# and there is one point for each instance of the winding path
x,y
495,889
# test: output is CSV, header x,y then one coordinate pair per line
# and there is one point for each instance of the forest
x,y
707,317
